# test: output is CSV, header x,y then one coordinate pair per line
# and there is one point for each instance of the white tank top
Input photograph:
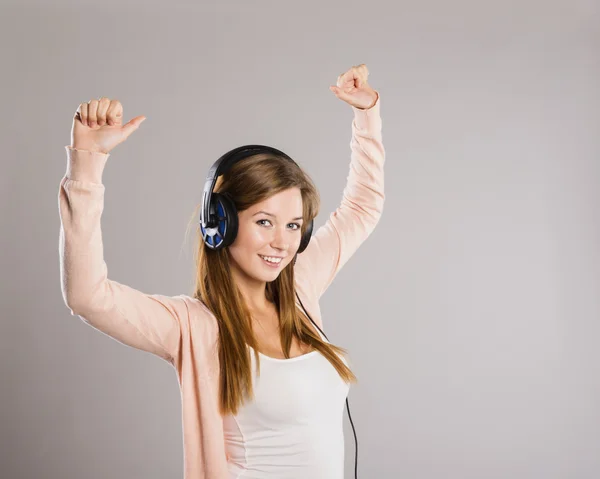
x,y
293,428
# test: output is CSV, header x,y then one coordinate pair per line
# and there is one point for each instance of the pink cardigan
x,y
180,329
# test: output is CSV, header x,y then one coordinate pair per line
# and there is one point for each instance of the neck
x,y
254,292
257,301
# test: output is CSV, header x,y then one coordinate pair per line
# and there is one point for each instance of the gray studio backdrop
x,y
471,315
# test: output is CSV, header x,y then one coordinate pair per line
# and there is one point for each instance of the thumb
x,y
133,124
341,94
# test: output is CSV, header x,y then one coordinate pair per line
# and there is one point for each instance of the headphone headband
x,y
222,165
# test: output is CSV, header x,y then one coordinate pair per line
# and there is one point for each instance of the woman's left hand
x,y
352,87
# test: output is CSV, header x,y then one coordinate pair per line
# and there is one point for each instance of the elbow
x,y
376,210
79,302
75,307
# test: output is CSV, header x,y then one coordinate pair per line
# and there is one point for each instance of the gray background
x,y
471,314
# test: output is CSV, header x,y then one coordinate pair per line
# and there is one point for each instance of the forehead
x,y
285,203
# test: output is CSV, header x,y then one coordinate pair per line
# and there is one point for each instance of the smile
x,y
270,260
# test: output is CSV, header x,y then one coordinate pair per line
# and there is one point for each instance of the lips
x,y
272,265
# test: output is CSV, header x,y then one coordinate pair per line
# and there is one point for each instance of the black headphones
x,y
219,222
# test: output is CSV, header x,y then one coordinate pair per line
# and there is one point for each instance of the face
x,y
270,228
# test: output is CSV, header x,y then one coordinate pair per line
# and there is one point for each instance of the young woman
x,y
262,389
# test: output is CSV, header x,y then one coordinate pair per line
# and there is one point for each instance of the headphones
x,y
218,218
219,222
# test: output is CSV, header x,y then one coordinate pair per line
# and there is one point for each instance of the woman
x,y
239,421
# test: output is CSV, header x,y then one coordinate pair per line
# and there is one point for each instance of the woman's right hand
x,y
97,125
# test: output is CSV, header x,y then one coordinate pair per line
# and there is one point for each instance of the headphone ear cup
x,y
306,237
226,230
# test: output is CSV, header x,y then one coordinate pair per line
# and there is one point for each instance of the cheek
x,y
251,238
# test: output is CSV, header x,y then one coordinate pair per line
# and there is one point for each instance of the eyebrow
x,y
270,214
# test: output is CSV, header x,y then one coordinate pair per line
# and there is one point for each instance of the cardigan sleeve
x,y
359,212
149,322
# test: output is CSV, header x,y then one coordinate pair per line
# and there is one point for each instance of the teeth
x,y
270,259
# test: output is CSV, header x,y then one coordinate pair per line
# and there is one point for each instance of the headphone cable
x,y
347,405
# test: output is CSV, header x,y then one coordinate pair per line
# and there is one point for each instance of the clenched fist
x,y
353,88
98,125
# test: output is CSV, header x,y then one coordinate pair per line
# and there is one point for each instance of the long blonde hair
x,y
249,181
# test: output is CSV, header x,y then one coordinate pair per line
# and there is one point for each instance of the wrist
x,y
87,147
374,101
85,165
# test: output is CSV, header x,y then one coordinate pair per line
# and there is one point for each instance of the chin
x,y
258,272
271,277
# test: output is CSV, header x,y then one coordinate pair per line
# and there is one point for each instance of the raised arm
x,y
360,209
148,322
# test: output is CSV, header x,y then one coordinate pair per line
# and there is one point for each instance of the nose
x,y
280,241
